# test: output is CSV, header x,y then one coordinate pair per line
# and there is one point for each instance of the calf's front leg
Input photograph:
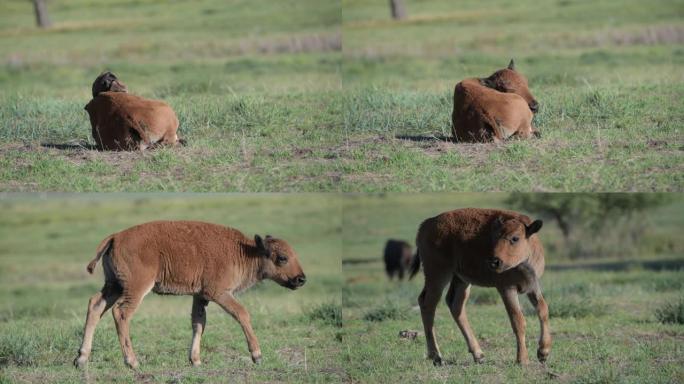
x,y
239,313
539,304
510,299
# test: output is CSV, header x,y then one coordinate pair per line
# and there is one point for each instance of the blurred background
x,y
614,282
167,48
46,242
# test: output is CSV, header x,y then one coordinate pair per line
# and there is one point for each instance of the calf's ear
x,y
511,65
533,228
263,246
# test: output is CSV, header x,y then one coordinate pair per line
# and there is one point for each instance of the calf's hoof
x,y
132,364
522,362
542,355
479,359
80,362
256,359
437,361
196,363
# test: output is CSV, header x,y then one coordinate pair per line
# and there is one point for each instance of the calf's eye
x,y
514,239
280,260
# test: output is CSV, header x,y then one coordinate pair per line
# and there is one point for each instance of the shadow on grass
x,y
69,146
421,138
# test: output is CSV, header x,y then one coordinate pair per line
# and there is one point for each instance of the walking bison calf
x,y
485,247
208,261
397,258
121,121
493,108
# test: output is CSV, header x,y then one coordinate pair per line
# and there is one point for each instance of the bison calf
x,y
485,247
208,261
397,258
493,108
121,121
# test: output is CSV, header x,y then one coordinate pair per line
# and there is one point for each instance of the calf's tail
x,y
103,248
415,265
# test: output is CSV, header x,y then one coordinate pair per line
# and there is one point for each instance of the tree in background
x,y
398,9
42,17
593,224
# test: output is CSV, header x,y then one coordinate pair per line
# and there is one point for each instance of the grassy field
x,y
255,85
605,322
607,74
45,244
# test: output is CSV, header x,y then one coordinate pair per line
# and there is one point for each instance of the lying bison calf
x,y
486,247
397,258
208,261
121,121
494,108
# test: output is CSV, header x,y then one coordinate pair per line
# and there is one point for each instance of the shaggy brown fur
x,y
397,258
485,247
208,261
493,108
123,122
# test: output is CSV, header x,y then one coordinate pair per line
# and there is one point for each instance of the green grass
x,y
607,75
607,326
45,243
255,86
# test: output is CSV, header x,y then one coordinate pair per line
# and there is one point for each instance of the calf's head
x,y
508,80
511,243
281,263
108,82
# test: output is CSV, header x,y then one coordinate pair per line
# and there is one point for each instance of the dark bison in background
x,y
398,256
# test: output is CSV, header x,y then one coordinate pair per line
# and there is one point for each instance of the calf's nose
x,y
300,280
494,263
534,106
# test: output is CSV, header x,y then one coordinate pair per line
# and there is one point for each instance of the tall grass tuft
x,y
671,313
386,311
328,313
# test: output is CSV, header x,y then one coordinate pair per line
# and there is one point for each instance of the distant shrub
x,y
328,313
388,311
574,306
671,313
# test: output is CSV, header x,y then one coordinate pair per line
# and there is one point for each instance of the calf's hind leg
x,y
456,299
97,306
122,311
199,321
428,300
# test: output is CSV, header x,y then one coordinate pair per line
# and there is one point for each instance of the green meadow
x,y
608,75
612,320
46,242
327,96
255,85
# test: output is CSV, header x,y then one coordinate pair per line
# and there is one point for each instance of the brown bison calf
x,y
397,258
123,122
494,108
485,247
208,261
